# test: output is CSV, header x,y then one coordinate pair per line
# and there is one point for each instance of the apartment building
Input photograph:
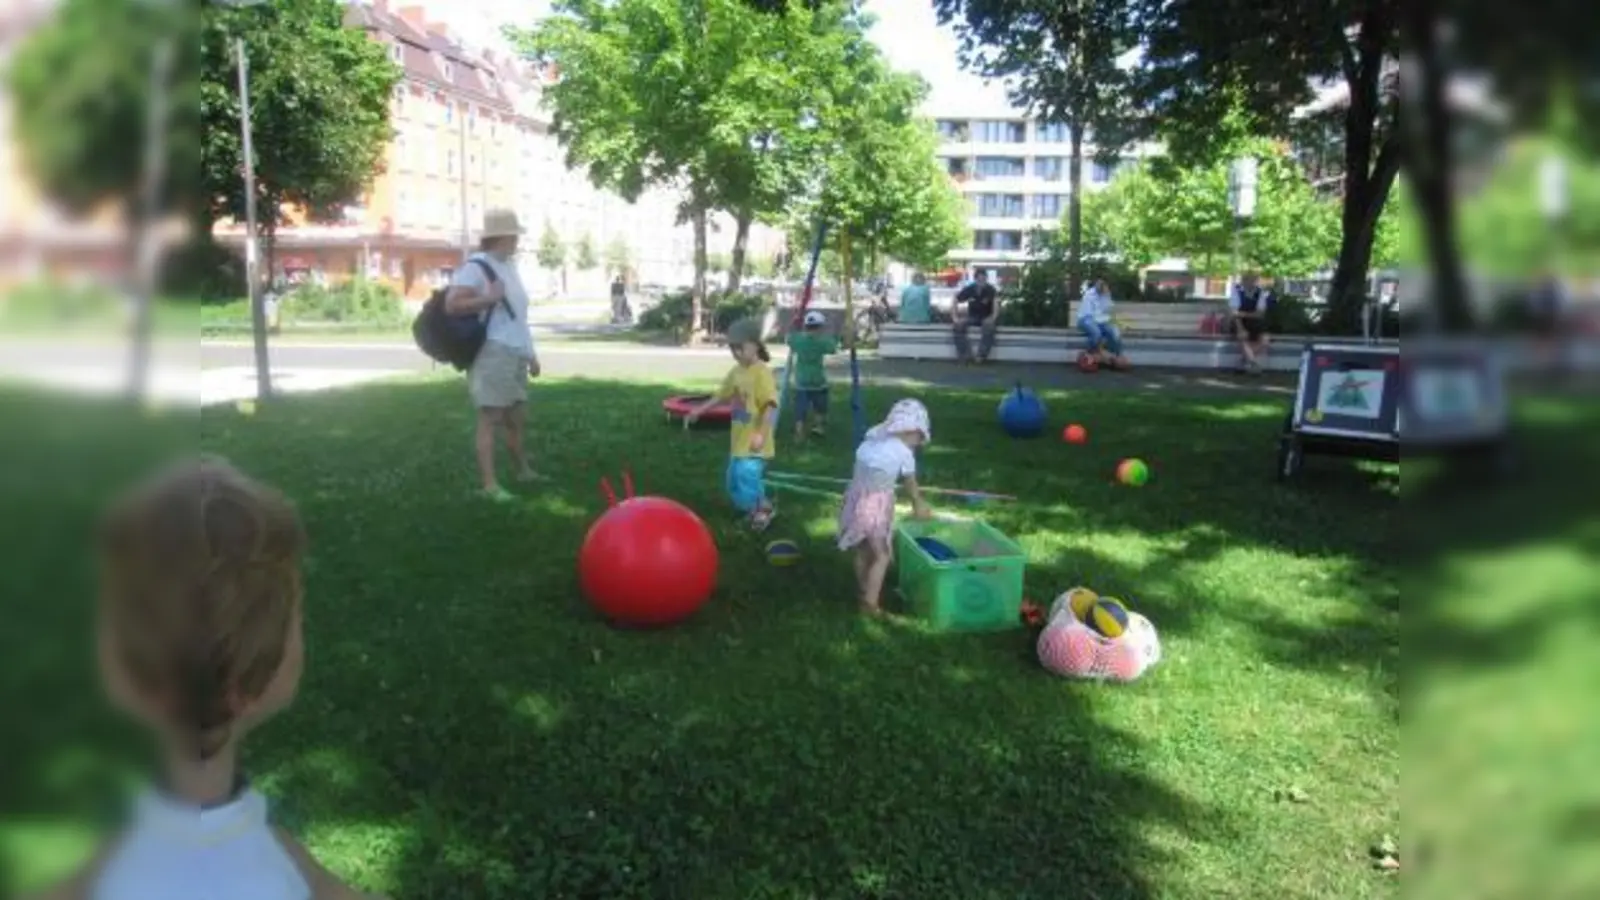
x,y
1014,174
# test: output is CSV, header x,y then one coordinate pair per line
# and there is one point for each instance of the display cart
x,y
1347,404
1445,398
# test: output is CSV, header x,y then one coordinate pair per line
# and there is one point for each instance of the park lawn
x,y
468,729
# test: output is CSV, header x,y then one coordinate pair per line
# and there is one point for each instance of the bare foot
x,y
873,610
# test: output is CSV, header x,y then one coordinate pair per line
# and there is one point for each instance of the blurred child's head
x,y
815,320
908,421
744,341
200,604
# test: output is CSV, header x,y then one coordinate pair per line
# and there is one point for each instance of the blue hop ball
x,y
1022,413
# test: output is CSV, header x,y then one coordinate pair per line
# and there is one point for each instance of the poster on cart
x,y
1349,391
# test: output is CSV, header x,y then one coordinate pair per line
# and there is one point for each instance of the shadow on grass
x,y
468,729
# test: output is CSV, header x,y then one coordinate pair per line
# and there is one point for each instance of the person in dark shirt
x,y
620,313
982,308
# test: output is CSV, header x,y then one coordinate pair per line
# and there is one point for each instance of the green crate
x,y
979,590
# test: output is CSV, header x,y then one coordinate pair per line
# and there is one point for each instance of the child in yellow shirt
x,y
754,394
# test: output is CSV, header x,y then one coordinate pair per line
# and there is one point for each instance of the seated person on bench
x,y
982,309
1249,303
916,302
1103,338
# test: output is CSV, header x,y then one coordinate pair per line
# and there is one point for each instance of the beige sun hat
x,y
501,223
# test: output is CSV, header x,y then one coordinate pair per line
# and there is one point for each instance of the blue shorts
x,y
746,483
810,399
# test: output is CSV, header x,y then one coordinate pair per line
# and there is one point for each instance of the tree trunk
x,y
1368,176
1430,166
1363,204
697,297
1075,212
741,241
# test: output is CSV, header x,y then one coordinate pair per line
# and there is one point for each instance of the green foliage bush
x,y
723,309
48,303
204,269
1040,299
358,302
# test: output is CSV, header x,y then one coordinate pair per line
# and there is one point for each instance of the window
x,y
1000,206
1050,168
956,167
1102,173
401,158
449,112
953,130
450,163
397,52
1000,167
472,118
997,240
1052,133
1048,206
1000,132
399,98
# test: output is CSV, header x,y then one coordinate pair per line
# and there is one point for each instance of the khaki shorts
x,y
498,378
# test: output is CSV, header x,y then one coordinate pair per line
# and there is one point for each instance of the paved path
x,y
218,371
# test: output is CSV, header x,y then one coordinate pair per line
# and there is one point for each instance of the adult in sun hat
x,y
498,379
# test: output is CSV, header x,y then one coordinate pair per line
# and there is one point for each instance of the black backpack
x,y
454,339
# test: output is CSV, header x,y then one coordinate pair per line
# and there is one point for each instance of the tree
x,y
80,102
712,97
552,253
1199,65
584,254
619,256
1061,56
320,100
1163,208
878,179
717,262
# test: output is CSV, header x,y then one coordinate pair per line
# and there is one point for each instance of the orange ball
x,y
1075,434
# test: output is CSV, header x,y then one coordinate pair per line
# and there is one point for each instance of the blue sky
x,y
907,30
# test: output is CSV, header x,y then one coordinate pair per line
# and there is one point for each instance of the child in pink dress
x,y
866,522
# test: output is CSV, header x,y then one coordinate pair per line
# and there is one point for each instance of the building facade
x,y
1014,174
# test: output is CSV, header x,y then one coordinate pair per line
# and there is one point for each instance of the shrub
x,y
1291,314
721,310
358,302
671,313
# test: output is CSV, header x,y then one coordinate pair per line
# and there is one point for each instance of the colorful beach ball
x,y
783,552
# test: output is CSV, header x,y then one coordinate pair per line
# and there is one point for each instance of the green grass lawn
x,y
468,728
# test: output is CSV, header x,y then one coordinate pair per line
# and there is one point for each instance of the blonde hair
x,y
199,587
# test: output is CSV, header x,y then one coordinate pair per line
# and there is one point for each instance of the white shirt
x,y
177,852
503,329
882,462
1095,306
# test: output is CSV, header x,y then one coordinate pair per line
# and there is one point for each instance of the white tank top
x,y
176,852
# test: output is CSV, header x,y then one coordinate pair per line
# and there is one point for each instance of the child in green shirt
x,y
808,349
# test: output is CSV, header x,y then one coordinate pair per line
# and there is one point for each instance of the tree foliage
x,y
878,179
619,256
1202,61
1162,208
552,251
1060,58
583,255
80,101
712,97
320,96
320,99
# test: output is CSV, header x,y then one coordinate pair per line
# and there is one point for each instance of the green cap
x,y
745,331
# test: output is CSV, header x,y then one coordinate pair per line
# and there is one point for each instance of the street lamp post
x,y
258,315
1242,200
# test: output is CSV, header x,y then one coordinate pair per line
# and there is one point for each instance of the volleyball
x,y
783,553
1077,601
1108,617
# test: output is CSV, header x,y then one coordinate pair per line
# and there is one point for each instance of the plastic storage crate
x,y
979,590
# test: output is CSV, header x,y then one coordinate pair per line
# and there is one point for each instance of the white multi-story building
x,y
1013,172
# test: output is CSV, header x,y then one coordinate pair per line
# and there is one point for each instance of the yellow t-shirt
x,y
753,391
